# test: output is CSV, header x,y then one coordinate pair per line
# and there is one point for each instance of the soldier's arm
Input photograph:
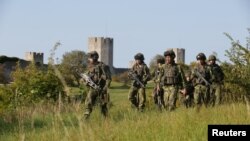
x,y
106,75
182,78
193,75
109,78
210,72
146,76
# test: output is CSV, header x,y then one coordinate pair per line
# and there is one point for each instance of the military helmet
x,y
93,54
212,57
201,56
139,56
169,53
160,60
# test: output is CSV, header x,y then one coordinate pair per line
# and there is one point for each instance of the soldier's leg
x,y
142,99
172,98
182,99
191,100
89,102
212,95
206,95
103,104
197,96
162,97
218,94
166,97
132,96
188,101
154,95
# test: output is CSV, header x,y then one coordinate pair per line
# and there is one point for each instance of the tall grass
x,y
47,122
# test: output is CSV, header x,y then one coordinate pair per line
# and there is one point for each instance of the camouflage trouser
x,y
92,97
185,100
170,97
215,94
137,97
201,95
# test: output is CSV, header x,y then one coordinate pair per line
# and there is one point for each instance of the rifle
x,y
202,78
89,81
133,75
104,98
158,97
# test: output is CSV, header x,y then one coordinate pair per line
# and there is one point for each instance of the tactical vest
x,y
171,74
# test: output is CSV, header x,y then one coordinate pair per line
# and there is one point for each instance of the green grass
x,y
45,122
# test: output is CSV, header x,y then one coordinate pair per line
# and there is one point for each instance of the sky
x,y
147,26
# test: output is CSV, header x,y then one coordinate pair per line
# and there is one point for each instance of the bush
x,y
6,97
33,84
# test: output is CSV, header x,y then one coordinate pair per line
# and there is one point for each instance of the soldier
x,y
217,81
172,79
139,73
158,95
187,99
100,74
201,80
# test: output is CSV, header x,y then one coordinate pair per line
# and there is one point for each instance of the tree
x,y
72,63
237,71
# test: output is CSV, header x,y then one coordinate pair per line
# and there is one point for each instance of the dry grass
x,y
47,122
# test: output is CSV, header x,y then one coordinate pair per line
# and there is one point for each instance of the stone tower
x,y
104,47
34,56
180,54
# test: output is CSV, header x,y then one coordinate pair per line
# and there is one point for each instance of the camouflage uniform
x,y
217,81
137,94
158,94
172,79
100,74
201,90
190,94
187,99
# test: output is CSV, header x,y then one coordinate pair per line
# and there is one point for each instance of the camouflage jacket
x,y
142,73
100,74
171,74
205,72
217,73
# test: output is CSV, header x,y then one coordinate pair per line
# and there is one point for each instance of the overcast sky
x,y
147,26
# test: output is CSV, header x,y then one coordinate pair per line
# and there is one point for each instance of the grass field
x,y
47,122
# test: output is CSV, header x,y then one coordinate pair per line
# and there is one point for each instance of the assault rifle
x,y
158,98
134,76
89,81
202,78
